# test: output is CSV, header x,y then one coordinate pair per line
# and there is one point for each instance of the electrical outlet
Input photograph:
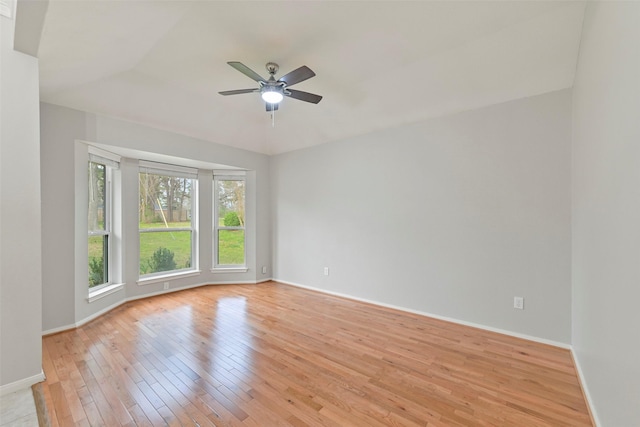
x,y
326,271
264,269
518,302
166,285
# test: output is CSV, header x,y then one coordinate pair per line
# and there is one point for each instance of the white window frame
x,y
227,176
111,162
108,213
178,172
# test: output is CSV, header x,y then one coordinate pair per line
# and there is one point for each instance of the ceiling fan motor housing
x,y
272,68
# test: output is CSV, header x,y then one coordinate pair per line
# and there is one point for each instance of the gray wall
x,y
20,266
606,210
453,216
64,190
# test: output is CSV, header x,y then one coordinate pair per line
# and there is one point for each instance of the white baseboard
x,y
21,384
99,313
58,329
585,390
339,294
234,282
435,316
137,297
85,320
165,291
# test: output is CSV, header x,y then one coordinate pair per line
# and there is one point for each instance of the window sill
x,y
165,277
103,292
229,270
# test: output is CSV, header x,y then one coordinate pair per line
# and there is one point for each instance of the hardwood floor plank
x,y
73,401
140,417
178,411
276,355
115,397
101,403
169,418
93,415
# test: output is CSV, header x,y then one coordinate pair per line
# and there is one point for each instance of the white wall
x,y
453,216
20,267
64,191
606,210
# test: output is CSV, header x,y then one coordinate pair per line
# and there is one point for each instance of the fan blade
x,y
303,96
246,71
271,107
296,76
238,91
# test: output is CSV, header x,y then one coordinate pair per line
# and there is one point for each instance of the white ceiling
x,y
378,64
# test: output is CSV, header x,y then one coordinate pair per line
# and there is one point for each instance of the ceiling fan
x,y
273,91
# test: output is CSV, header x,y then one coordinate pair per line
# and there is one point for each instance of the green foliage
x,y
161,260
97,174
151,217
231,247
96,271
231,220
178,242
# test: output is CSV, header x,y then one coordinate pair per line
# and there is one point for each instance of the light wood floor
x,y
275,355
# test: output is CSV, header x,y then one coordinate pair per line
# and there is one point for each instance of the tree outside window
x,y
98,225
229,221
165,222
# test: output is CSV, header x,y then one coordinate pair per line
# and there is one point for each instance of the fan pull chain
x,y
273,118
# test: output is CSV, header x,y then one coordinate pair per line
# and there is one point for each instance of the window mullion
x,y
164,230
107,201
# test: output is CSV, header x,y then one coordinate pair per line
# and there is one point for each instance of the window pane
x,y
231,247
165,201
164,251
97,207
98,261
231,203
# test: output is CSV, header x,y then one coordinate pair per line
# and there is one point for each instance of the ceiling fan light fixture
x,y
272,95
273,91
